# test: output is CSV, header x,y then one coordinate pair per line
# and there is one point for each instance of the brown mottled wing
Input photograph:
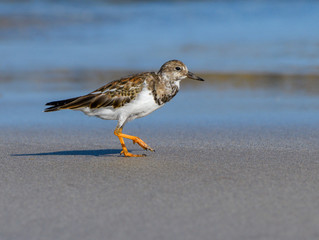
x,y
119,92
115,94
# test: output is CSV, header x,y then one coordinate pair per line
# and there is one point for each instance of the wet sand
x,y
209,182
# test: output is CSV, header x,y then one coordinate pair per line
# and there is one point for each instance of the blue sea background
x,y
271,36
58,49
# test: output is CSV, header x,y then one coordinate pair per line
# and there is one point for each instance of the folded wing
x,y
114,94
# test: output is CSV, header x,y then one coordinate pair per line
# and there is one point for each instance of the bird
x,y
129,98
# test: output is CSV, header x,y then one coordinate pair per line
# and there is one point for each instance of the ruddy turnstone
x,y
129,98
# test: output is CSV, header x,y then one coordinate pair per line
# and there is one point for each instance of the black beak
x,y
193,76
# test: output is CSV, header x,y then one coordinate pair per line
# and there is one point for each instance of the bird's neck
x,y
166,80
164,90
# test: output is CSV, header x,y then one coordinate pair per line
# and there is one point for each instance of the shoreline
x,y
75,79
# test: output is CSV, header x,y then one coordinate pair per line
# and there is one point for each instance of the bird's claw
x,y
128,154
143,144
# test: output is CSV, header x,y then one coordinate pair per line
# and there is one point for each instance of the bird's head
x,y
175,70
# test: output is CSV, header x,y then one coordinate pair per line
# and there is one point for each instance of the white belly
x,y
143,105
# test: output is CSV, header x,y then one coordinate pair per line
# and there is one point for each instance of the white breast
x,y
143,105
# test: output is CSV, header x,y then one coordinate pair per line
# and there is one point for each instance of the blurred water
x,y
264,36
195,106
52,50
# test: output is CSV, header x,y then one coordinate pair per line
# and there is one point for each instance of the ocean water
x,y
223,36
260,59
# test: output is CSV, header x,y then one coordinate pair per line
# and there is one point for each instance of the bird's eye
x,y
178,68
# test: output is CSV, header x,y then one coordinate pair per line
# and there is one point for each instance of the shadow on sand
x,y
101,152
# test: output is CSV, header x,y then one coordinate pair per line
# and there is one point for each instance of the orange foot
x,y
128,154
141,143
120,135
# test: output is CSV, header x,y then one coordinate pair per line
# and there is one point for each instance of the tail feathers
x,y
72,103
57,105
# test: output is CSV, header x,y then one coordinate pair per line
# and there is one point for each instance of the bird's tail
x,y
74,103
57,105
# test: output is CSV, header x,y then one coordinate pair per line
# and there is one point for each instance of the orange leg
x,y
120,135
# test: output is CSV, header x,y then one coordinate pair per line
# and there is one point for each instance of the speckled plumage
x,y
130,98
